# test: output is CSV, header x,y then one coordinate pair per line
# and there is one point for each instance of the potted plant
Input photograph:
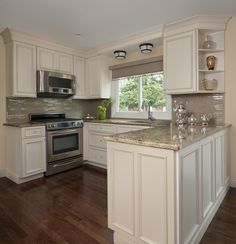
x,y
102,109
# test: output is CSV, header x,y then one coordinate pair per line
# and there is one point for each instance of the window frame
x,y
167,115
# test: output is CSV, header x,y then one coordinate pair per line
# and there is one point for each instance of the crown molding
x,y
13,35
133,40
212,22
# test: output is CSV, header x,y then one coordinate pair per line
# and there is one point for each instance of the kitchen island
x,y
163,188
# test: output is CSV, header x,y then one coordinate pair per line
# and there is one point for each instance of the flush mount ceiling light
x,y
120,54
146,47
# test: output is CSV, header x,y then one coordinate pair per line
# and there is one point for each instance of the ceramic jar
x,y
211,62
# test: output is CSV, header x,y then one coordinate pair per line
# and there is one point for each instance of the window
x,y
132,95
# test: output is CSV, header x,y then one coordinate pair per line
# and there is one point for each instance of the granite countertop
x,y
23,124
166,137
138,122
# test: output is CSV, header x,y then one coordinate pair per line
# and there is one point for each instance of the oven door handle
x,y
63,133
63,164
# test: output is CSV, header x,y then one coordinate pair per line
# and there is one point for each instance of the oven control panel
x,y
65,125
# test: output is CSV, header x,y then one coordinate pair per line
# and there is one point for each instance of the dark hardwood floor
x,y
71,207
222,229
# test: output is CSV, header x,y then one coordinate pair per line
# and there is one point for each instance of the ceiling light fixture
x,y
146,47
120,54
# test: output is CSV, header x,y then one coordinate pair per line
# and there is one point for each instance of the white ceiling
x,y
100,21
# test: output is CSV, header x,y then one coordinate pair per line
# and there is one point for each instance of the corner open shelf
x,y
217,37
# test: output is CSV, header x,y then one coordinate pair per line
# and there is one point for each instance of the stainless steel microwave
x,y
53,84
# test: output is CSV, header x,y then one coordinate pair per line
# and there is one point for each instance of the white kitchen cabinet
x,y
21,69
163,196
26,153
94,144
98,77
185,53
207,167
79,72
33,156
180,63
54,61
190,191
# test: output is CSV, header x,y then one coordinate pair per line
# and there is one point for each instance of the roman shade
x,y
137,67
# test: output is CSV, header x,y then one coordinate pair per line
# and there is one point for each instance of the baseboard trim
x,y
13,177
233,183
95,164
206,222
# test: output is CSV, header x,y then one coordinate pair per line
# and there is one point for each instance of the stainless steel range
x,y
64,141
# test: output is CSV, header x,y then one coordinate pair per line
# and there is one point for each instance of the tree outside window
x,y
136,93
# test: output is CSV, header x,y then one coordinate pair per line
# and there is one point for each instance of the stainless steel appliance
x,y
64,141
52,84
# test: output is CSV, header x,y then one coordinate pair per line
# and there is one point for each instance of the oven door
x,y
63,144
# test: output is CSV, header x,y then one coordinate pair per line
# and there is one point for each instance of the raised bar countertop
x,y
166,137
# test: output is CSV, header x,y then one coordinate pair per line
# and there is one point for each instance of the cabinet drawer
x,y
101,128
30,132
97,140
98,155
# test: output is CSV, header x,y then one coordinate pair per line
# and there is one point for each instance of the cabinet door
x,y
180,55
93,77
24,71
34,156
219,163
121,209
190,192
46,59
65,63
79,72
151,186
207,156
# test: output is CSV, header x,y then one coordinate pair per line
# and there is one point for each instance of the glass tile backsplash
x,y
18,109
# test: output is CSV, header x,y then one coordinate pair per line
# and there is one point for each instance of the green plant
x,y
102,109
105,103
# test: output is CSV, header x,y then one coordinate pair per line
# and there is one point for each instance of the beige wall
x,y
2,107
230,90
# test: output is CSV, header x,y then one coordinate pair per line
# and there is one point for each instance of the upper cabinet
x,y
79,72
98,77
21,69
194,55
180,62
54,61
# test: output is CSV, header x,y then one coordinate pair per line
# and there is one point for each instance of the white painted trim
x,y
19,180
13,35
137,114
135,39
96,164
213,22
233,183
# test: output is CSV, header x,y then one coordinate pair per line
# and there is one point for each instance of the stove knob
x,y
73,124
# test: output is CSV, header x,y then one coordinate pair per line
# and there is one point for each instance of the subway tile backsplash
x,y
18,109
198,104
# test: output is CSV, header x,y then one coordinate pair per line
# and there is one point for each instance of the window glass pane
x,y
128,93
153,92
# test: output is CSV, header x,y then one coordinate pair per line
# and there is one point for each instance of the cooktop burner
x,y
56,121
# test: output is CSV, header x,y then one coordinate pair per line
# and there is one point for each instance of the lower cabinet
x,y
94,144
26,153
162,196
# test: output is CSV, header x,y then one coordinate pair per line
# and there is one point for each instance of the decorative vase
x,y
211,61
102,114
